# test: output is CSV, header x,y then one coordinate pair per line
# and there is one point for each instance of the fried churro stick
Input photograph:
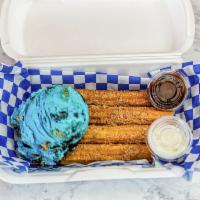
x,y
128,134
88,153
115,98
100,115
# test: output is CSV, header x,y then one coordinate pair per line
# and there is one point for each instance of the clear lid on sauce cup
x,y
168,90
169,138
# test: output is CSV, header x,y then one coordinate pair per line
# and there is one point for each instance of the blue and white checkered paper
x,y
17,82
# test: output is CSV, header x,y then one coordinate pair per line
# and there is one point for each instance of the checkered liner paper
x,y
17,82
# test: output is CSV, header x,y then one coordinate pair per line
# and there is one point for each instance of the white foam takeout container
x,y
115,36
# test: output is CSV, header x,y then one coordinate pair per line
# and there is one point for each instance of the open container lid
x,y
100,33
96,32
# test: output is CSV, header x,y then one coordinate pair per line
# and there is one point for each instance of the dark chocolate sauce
x,y
168,91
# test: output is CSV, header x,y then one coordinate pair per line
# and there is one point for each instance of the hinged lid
x,y
84,32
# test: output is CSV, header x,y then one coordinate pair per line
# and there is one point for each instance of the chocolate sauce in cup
x,y
168,91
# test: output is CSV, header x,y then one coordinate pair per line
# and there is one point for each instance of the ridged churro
x,y
88,153
127,134
118,126
115,98
104,115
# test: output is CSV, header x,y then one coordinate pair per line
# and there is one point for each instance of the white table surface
x,y
160,189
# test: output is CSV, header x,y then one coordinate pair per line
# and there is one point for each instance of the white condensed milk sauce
x,y
169,138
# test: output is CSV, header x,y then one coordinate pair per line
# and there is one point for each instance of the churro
x,y
104,115
118,126
127,134
115,98
88,153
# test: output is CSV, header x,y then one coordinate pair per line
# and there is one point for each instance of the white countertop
x,y
160,189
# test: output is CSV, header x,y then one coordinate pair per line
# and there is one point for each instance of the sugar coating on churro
x,y
115,98
104,115
118,126
127,134
87,153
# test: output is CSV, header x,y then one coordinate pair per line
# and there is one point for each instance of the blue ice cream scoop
x,y
50,123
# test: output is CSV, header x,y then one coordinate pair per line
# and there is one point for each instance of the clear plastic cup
x,y
168,90
169,138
